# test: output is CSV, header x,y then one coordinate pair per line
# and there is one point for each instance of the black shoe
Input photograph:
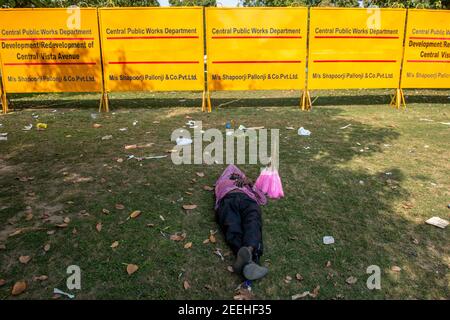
x,y
244,256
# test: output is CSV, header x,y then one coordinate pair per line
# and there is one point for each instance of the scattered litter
x,y
303,132
388,173
219,253
34,116
361,182
108,137
1,125
96,125
57,291
386,145
191,124
123,129
41,126
427,120
345,127
229,133
446,123
183,141
28,127
306,148
135,122
437,222
227,103
135,146
351,280
328,240
132,156
94,115
290,128
4,136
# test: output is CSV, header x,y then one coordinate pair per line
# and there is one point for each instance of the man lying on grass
x,y
239,216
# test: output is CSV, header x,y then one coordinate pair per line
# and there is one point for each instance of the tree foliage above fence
x,y
434,4
83,3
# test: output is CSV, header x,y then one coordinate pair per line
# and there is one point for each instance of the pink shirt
x,y
224,185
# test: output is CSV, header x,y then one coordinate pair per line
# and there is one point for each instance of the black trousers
x,y
239,217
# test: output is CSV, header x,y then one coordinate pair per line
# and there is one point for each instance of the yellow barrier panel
x,y
50,50
355,48
152,49
426,62
256,48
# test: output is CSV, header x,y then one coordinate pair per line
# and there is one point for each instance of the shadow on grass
x,y
31,101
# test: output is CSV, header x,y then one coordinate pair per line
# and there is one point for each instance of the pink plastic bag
x,y
269,182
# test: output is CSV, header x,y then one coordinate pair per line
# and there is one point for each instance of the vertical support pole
x,y
206,98
399,98
306,104
3,97
104,99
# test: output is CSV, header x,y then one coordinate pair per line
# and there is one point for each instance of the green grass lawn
x,y
371,186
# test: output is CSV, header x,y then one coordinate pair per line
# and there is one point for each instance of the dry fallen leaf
x,y
105,211
66,220
2,282
230,268
188,245
150,225
243,294
50,232
328,264
99,227
189,206
24,259
206,241
18,288
315,292
132,268
178,237
200,174
115,244
301,295
212,238
120,206
15,233
74,231
351,280
396,268
208,188
299,277
40,278
134,214
62,225
96,125
47,247
186,285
